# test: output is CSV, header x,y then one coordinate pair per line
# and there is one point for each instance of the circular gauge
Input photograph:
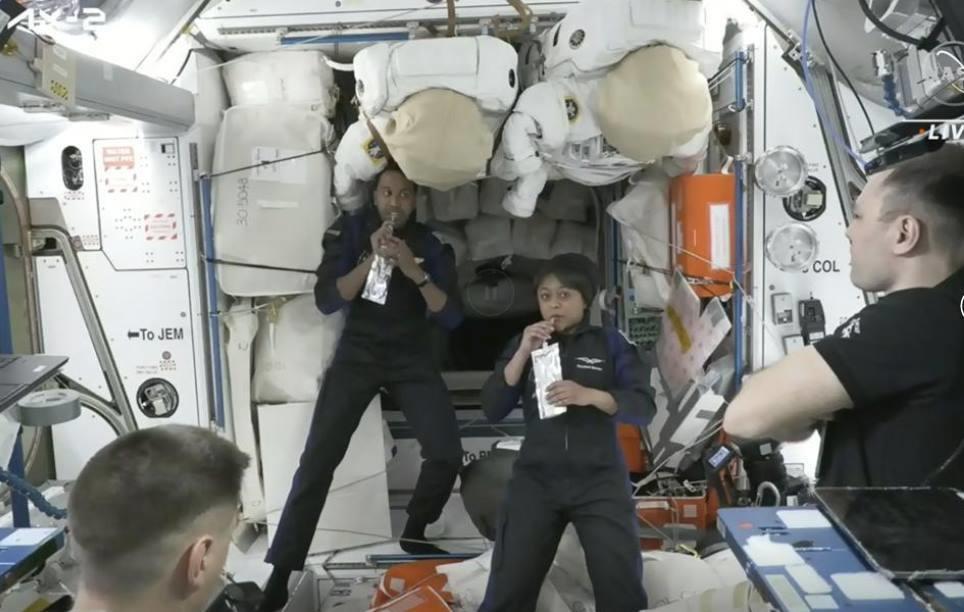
x,y
781,171
792,247
808,203
157,398
949,67
491,294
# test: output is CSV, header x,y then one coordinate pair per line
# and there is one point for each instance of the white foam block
x,y
822,602
803,519
954,590
867,586
27,537
788,596
766,553
809,580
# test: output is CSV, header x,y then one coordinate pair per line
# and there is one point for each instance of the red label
x,y
119,158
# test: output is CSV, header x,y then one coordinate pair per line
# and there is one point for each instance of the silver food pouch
x,y
547,369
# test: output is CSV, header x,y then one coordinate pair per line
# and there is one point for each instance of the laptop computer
x,y
903,533
22,374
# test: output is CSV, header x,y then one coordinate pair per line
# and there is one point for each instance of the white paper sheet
x,y
803,519
688,338
764,552
867,586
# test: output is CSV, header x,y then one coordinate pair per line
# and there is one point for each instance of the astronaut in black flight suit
x,y
382,347
570,468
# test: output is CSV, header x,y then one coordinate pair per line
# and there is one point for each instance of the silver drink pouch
x,y
547,369
376,284
379,275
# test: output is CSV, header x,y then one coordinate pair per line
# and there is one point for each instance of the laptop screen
x,y
911,532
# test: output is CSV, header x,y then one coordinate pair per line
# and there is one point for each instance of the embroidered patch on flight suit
x,y
577,38
589,363
373,151
572,109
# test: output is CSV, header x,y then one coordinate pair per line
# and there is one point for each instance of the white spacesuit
x,y
417,94
612,102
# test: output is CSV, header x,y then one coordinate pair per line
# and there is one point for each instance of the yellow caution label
x,y
682,335
38,606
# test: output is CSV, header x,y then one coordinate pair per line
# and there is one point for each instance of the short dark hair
x,y
143,488
934,182
390,167
574,271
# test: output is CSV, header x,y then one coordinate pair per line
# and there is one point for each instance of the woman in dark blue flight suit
x,y
570,468
382,346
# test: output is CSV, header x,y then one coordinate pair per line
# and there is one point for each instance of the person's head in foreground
x,y
151,517
565,288
394,196
908,226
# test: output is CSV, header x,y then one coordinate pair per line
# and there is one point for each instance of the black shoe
x,y
275,591
413,541
422,548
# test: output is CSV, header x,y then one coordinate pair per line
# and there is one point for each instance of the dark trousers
x,y
537,509
349,386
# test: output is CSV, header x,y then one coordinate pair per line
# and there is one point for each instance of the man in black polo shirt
x,y
889,383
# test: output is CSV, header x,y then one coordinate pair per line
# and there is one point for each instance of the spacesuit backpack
x,y
436,104
624,86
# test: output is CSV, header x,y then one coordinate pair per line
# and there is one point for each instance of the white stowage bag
x,y
568,201
489,237
727,567
293,352
357,509
282,76
459,204
669,577
673,582
680,583
468,580
270,215
242,325
643,216
533,237
454,237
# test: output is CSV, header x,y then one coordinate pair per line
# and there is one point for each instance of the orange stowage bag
x,y
631,443
401,579
421,599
